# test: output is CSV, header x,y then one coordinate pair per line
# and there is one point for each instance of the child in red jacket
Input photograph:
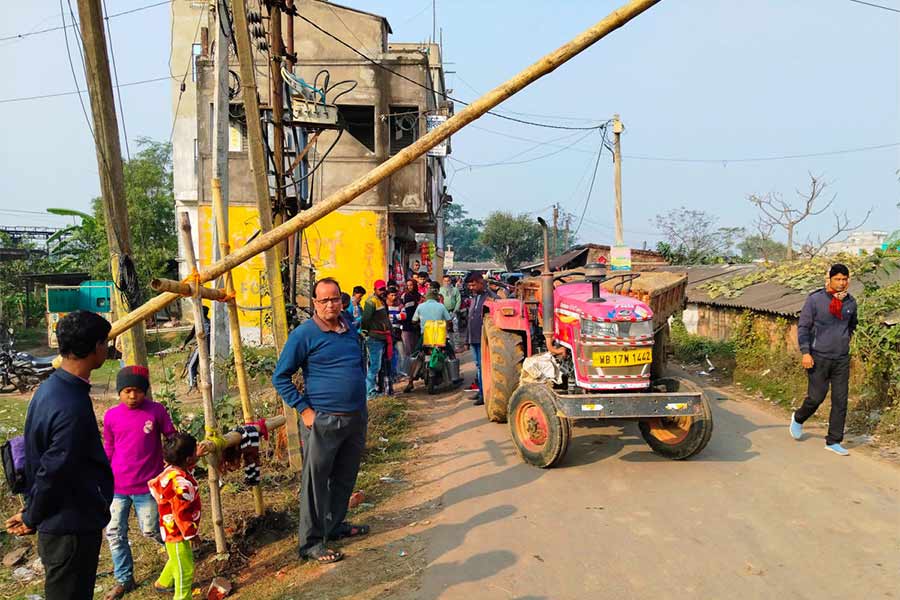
x,y
176,494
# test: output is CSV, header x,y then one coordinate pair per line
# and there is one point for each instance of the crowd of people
x,y
78,483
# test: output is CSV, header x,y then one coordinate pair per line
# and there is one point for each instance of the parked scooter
x,y
21,371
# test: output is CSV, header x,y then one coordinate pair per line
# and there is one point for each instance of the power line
x,y
87,119
520,162
59,94
22,36
425,87
191,59
593,178
876,6
725,161
112,54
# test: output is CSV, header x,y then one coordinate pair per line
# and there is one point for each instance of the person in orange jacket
x,y
178,498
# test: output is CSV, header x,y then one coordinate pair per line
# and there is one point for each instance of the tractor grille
x,y
610,377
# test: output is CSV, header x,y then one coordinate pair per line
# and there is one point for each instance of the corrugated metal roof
x,y
769,296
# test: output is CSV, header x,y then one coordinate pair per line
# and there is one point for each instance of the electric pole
x,y
219,128
566,241
109,166
617,158
555,229
264,205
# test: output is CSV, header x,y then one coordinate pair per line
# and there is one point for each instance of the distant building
x,y
858,242
380,233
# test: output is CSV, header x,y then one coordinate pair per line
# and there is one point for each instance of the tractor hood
x,y
575,297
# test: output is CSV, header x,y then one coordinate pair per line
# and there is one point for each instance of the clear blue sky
x,y
692,79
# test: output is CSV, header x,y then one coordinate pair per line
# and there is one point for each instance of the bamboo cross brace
x,y
345,195
209,413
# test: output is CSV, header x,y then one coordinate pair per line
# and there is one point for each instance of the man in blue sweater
x,y
70,483
827,322
332,407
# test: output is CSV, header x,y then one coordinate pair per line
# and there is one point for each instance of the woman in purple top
x,y
132,435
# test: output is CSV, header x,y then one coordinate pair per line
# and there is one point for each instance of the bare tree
x,y
693,238
776,212
842,224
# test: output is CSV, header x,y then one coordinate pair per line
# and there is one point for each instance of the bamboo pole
x,y
476,109
209,413
237,348
184,289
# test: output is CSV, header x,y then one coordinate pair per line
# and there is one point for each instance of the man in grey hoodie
x,y
827,322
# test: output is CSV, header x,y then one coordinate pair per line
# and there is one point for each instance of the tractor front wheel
x,y
541,438
502,353
679,438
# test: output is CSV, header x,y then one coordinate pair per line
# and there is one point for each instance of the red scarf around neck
x,y
836,305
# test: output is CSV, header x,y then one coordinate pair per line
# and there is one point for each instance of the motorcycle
x,y
435,364
21,371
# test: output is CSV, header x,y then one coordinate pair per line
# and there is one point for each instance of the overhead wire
x,y
587,198
520,162
873,5
87,119
191,59
432,90
78,91
22,36
112,54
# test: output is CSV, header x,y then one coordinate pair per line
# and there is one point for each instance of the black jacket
x,y
70,482
820,332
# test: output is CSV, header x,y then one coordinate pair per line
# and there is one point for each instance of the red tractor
x,y
598,344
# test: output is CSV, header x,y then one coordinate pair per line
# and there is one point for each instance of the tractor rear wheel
x,y
541,438
679,438
661,341
502,353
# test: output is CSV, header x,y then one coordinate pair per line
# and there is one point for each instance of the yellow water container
x,y
435,333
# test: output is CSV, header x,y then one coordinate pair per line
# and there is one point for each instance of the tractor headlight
x,y
621,329
597,329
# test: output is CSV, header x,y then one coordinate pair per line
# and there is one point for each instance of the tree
x,y
758,246
691,237
462,233
151,215
775,212
513,240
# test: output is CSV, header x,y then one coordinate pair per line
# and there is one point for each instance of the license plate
x,y
622,358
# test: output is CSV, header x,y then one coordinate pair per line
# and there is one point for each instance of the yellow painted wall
x,y
243,222
351,247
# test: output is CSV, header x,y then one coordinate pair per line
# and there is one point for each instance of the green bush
x,y
688,347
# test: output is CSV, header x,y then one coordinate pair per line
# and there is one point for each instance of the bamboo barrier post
x,y
345,195
234,323
209,412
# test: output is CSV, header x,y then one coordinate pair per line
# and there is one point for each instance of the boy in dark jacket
x,y
827,322
70,483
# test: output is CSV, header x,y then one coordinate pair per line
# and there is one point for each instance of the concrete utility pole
x,y
264,205
617,158
219,127
109,163
555,229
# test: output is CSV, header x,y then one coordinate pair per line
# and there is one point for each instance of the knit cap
x,y
133,376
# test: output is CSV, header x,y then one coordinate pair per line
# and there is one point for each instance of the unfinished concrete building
x,y
379,234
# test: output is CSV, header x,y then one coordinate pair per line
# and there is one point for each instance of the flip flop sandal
x,y
325,557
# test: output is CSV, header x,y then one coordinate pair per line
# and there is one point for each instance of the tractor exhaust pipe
x,y
547,294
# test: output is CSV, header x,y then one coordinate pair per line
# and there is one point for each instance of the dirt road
x,y
757,515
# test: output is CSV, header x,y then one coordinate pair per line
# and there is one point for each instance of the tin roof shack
x,y
578,256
